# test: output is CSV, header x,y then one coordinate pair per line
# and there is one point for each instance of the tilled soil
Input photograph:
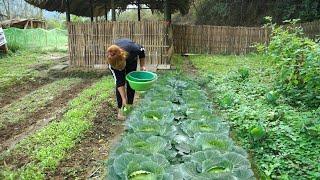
x,y
87,159
14,93
11,134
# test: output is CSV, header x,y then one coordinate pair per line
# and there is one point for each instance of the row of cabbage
x,y
173,134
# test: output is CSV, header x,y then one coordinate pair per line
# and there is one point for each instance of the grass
x,y
19,110
47,147
291,145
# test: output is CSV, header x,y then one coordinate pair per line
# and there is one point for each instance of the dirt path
x,y
86,160
14,133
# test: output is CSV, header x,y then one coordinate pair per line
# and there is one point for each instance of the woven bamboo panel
x,y
204,39
88,42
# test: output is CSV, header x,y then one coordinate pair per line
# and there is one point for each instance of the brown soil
x,y
21,90
87,159
13,133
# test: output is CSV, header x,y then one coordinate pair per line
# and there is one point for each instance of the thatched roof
x,y
82,7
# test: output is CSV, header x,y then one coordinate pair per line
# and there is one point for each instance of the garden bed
x,y
41,152
174,134
286,144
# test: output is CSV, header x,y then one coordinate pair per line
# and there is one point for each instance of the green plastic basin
x,y
141,84
142,76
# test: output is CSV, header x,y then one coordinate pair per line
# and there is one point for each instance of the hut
x,y
88,41
24,23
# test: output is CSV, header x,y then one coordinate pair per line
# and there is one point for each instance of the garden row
x,y
18,111
283,139
173,134
42,151
23,66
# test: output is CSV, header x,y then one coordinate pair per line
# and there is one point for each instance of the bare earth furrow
x,y
13,133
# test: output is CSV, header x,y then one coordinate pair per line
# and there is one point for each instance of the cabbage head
x,y
151,128
139,143
137,167
211,164
219,142
191,127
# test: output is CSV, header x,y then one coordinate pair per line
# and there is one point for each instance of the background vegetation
x,y
249,13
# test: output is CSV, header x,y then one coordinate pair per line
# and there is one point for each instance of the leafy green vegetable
x,y
244,73
170,132
212,164
137,166
192,127
257,132
127,109
141,144
219,142
272,97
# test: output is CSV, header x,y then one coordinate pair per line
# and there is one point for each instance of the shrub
x,y
297,59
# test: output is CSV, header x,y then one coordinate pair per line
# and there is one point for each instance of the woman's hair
x,y
117,57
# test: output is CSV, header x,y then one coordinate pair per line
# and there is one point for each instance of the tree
x,y
252,12
19,9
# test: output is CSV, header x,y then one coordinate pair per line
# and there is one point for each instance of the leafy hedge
x,y
297,60
173,134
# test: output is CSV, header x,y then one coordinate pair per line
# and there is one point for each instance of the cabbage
x,y
173,134
194,96
161,115
211,164
141,144
137,166
151,128
191,127
219,142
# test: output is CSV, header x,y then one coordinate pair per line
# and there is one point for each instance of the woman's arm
x,y
142,64
123,95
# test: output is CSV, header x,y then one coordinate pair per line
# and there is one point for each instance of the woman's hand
x,y
143,68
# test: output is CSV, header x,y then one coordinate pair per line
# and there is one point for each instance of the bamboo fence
x,y
311,29
205,39
88,42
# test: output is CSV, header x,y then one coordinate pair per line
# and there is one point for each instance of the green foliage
x,y
55,24
289,146
297,60
244,73
18,111
211,164
226,101
127,109
146,15
173,121
272,97
49,146
191,127
251,13
257,132
20,68
137,167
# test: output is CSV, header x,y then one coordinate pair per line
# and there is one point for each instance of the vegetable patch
x,y
174,134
